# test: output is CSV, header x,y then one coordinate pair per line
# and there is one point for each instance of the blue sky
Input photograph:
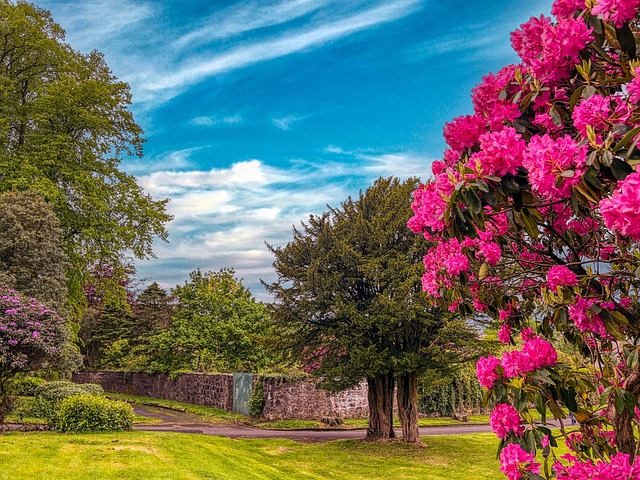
x,y
259,113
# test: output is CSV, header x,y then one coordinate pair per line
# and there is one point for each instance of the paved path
x,y
173,421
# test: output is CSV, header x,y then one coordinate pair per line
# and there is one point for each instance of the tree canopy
x,y
535,215
217,326
348,302
64,128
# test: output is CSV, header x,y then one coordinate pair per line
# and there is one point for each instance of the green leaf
x,y
472,201
620,169
627,40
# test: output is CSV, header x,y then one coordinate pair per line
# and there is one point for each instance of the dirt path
x,y
173,421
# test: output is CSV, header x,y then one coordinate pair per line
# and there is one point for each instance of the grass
x,y
206,414
423,422
159,455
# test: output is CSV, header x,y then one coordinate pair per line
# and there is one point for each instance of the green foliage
x,y
26,386
49,395
256,400
32,257
92,413
447,397
64,128
217,327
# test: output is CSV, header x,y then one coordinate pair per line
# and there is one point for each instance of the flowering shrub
x,y
534,211
32,337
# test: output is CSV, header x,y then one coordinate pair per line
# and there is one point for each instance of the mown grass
x,y
206,414
159,455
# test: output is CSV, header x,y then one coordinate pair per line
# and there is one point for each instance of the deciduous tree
x,y
64,128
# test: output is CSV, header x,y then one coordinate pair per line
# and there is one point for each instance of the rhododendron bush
x,y
534,211
32,337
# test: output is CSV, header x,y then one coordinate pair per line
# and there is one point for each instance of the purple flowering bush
x,y
32,337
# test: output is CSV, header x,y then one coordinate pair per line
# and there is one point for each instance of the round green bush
x,y
26,386
50,394
92,413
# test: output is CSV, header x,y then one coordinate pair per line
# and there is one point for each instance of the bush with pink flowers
x,y
32,337
534,211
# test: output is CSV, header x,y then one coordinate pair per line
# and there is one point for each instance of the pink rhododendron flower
x,y
596,112
633,88
464,132
621,212
486,371
559,275
547,159
505,419
515,461
616,11
551,50
504,334
584,319
486,98
618,468
540,353
515,363
527,334
566,8
500,153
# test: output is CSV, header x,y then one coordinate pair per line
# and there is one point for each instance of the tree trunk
x,y
380,398
408,407
622,422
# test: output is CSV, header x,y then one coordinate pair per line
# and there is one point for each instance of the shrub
x,y
50,394
256,400
26,386
449,397
92,413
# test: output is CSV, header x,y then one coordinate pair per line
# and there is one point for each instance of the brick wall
x,y
302,400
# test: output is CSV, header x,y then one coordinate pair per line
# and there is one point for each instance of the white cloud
x,y
223,217
213,121
284,123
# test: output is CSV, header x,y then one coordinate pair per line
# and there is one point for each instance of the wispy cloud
x,y
284,123
214,121
244,17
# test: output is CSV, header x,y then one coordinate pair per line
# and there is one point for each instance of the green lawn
x,y
154,455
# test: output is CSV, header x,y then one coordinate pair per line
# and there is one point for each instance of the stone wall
x,y
199,389
302,400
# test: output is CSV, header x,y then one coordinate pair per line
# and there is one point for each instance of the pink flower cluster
x,y
560,276
505,419
515,462
487,102
616,11
464,132
618,468
555,165
551,50
536,353
500,153
566,8
597,112
621,212
504,334
443,261
584,318
633,89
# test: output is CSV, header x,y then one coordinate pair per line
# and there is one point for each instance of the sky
x,y
258,114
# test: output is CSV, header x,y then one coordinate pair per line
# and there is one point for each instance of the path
x,y
173,421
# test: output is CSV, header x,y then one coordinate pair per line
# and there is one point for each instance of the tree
x,y
536,214
217,326
32,258
32,337
348,301
64,128
153,310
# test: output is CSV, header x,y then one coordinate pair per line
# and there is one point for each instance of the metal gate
x,y
242,387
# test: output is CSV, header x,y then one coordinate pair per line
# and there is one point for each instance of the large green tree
x,y
348,301
217,326
64,128
32,258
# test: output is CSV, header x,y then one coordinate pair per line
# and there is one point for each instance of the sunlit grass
x,y
159,455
